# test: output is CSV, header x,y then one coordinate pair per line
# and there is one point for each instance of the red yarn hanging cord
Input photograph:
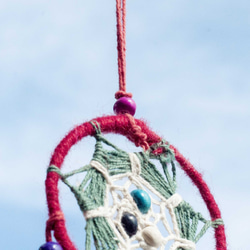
x,y
121,47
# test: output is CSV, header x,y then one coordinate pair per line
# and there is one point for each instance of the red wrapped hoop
x,y
119,124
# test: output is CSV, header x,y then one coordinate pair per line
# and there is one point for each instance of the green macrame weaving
x,y
104,196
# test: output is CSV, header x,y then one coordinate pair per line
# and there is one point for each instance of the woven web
x,y
118,201
104,196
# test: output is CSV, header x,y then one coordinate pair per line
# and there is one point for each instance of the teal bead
x,y
142,200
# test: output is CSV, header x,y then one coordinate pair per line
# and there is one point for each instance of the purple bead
x,y
125,105
51,246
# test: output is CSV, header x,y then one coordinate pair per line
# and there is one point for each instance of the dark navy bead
x,y
142,200
130,224
125,105
51,246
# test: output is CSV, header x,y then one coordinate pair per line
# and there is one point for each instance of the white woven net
x,y
160,221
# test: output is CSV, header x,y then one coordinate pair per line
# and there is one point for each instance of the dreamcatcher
x,y
126,201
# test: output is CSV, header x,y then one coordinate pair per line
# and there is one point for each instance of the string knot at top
x,y
119,94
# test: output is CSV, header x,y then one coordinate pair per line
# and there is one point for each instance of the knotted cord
x,y
121,47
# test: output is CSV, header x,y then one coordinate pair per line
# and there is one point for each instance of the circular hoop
x,y
119,124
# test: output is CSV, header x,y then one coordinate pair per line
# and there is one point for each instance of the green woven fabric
x,y
90,194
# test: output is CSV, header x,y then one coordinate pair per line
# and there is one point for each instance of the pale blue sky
x,y
187,66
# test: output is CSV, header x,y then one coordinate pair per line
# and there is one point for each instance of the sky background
x,y
188,67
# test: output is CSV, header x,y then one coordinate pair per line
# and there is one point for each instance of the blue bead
x,y
142,200
51,246
130,224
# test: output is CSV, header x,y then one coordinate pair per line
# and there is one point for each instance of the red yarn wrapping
x,y
51,222
119,124
121,48
122,93
135,133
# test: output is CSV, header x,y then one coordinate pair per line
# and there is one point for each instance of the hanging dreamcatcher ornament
x,y
126,201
